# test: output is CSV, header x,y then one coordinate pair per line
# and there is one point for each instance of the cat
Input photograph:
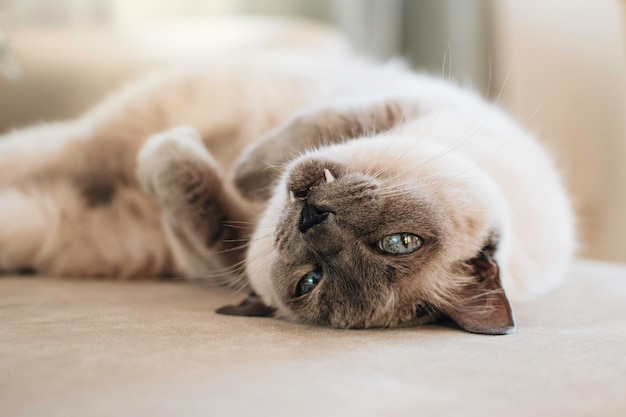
x,y
346,193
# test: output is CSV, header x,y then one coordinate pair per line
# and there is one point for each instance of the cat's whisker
x,y
464,138
393,309
395,137
260,267
211,277
270,166
474,128
233,249
450,64
409,186
240,284
419,137
232,226
246,242
459,142
233,272
422,134
239,222
235,240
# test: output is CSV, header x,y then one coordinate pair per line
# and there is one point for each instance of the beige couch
x,y
105,348
94,348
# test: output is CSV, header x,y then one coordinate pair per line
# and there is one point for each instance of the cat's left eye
x,y
400,243
308,282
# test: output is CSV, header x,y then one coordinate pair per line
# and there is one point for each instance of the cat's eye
x,y
400,243
308,282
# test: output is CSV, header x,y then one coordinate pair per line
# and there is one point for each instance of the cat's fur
x,y
373,150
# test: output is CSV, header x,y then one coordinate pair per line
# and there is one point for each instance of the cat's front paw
x,y
164,150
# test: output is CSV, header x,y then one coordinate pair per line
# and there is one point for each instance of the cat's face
x,y
382,232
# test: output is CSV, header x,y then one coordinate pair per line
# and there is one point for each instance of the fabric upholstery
x,y
105,348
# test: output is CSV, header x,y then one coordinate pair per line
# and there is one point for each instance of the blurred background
x,y
558,66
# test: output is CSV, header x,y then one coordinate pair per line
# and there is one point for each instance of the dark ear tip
x,y
496,330
228,311
255,311
499,331
251,306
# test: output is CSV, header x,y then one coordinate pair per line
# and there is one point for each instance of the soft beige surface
x,y
92,348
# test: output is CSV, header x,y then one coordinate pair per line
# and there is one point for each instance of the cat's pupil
x,y
400,243
308,282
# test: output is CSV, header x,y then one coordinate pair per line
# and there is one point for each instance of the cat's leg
x,y
50,227
324,125
206,220
56,222
37,151
25,222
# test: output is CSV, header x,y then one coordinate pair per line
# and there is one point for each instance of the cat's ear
x,y
261,164
482,306
252,305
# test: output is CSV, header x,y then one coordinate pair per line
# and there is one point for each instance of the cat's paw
x,y
163,151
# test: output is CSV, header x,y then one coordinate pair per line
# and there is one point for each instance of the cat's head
x,y
382,231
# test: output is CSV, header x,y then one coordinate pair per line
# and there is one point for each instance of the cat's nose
x,y
311,216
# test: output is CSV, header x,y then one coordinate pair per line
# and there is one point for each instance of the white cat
x,y
383,197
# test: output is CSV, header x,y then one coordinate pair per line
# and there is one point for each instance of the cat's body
x,y
74,201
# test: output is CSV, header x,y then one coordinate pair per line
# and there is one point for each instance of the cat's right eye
x,y
400,243
308,282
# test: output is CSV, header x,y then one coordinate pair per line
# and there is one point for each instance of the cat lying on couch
x,y
343,193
